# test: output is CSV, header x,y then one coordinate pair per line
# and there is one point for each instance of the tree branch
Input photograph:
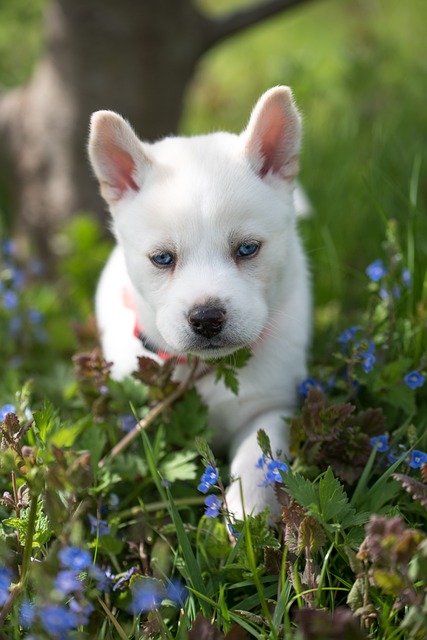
x,y
223,27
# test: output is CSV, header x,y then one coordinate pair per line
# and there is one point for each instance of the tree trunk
x,y
134,57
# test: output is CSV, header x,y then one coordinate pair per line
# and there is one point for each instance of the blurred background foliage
x,y
358,69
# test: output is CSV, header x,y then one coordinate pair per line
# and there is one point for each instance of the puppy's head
x,y
206,224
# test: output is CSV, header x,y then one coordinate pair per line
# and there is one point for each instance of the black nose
x,y
206,321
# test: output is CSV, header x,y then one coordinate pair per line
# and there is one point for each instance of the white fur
x,y
199,199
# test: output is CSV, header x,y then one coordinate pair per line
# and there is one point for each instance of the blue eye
x,y
163,259
247,249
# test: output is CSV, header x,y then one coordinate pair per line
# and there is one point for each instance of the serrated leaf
x,y
302,490
179,466
333,500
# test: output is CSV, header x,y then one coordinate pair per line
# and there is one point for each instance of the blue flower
x,y
8,248
414,379
232,531
307,384
128,422
35,316
57,619
75,558
406,278
101,578
176,592
376,270
98,527
209,478
418,458
5,409
368,362
274,468
147,595
213,505
10,299
125,578
261,462
5,582
381,442
27,612
66,582
348,334
81,611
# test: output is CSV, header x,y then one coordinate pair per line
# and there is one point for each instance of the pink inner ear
x,y
121,167
273,141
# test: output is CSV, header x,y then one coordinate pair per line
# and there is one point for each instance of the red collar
x,y
138,331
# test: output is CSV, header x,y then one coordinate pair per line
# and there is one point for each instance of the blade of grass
x,y
191,563
114,621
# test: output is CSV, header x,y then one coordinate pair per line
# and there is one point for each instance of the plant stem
x,y
31,526
152,415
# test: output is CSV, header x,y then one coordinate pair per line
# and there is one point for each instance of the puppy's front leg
x,y
247,470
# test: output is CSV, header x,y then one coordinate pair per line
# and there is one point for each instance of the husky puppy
x,y
208,260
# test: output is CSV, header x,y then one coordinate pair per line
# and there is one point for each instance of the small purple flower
x,y
125,578
67,582
274,468
376,270
381,442
213,505
414,379
98,527
418,458
81,611
103,581
75,558
57,619
5,409
307,384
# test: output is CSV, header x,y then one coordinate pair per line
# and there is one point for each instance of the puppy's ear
x,y
273,136
118,157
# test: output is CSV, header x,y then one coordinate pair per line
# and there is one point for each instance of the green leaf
x,y
402,397
45,422
302,490
93,440
179,466
264,442
65,435
226,368
333,500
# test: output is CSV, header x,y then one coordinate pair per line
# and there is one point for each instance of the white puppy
x,y
208,261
